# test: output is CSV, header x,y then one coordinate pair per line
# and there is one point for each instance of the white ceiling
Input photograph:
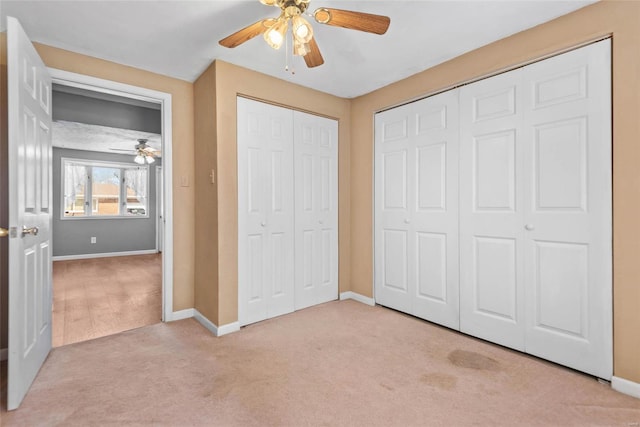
x,y
180,38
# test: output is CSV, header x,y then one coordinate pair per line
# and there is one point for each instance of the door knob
x,y
529,227
263,223
4,232
407,221
29,230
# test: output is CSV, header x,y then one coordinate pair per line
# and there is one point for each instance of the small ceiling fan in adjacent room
x,y
293,12
143,152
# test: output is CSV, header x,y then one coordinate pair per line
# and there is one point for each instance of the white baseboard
x,y
625,386
103,255
187,313
4,353
228,328
357,297
218,331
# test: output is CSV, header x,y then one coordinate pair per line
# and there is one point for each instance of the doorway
x,y
123,283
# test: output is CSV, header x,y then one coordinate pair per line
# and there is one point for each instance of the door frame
x,y
159,209
96,84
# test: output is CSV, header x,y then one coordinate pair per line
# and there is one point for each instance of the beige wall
x,y
206,214
182,121
231,81
622,21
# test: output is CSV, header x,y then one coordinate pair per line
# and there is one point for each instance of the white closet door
x,y
265,211
416,209
434,220
393,155
568,268
316,209
491,205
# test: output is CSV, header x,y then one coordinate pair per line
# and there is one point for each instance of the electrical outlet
x,y
93,240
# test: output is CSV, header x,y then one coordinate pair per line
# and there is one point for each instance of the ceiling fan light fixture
x,y
150,159
269,2
302,30
139,159
269,22
274,36
300,49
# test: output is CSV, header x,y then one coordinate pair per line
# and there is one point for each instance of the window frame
x,y
88,193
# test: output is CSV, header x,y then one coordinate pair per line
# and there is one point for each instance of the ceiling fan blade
x,y
247,33
314,57
151,151
360,21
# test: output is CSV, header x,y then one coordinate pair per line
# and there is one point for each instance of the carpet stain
x,y
441,381
387,387
473,360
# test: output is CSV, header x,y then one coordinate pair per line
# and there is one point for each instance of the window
x,y
104,189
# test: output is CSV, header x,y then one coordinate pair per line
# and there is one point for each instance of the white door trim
x,y
95,84
159,210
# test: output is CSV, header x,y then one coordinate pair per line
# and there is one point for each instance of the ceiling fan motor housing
x,y
142,143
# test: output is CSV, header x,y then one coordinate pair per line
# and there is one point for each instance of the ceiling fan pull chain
x,y
288,58
286,54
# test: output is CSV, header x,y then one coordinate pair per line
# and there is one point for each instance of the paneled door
x,y
265,211
535,209
30,293
416,209
491,207
316,209
567,211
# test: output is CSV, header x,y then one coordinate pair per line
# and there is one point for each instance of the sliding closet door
x,y
491,206
265,211
568,267
416,209
316,209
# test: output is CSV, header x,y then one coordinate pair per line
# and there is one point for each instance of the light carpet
x,y
341,363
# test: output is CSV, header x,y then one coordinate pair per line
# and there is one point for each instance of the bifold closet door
x,y
535,209
491,210
568,209
416,208
316,209
265,211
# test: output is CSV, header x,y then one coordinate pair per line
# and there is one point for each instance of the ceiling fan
x,y
144,153
275,29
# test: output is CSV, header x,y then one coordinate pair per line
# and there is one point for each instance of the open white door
x,y
30,296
